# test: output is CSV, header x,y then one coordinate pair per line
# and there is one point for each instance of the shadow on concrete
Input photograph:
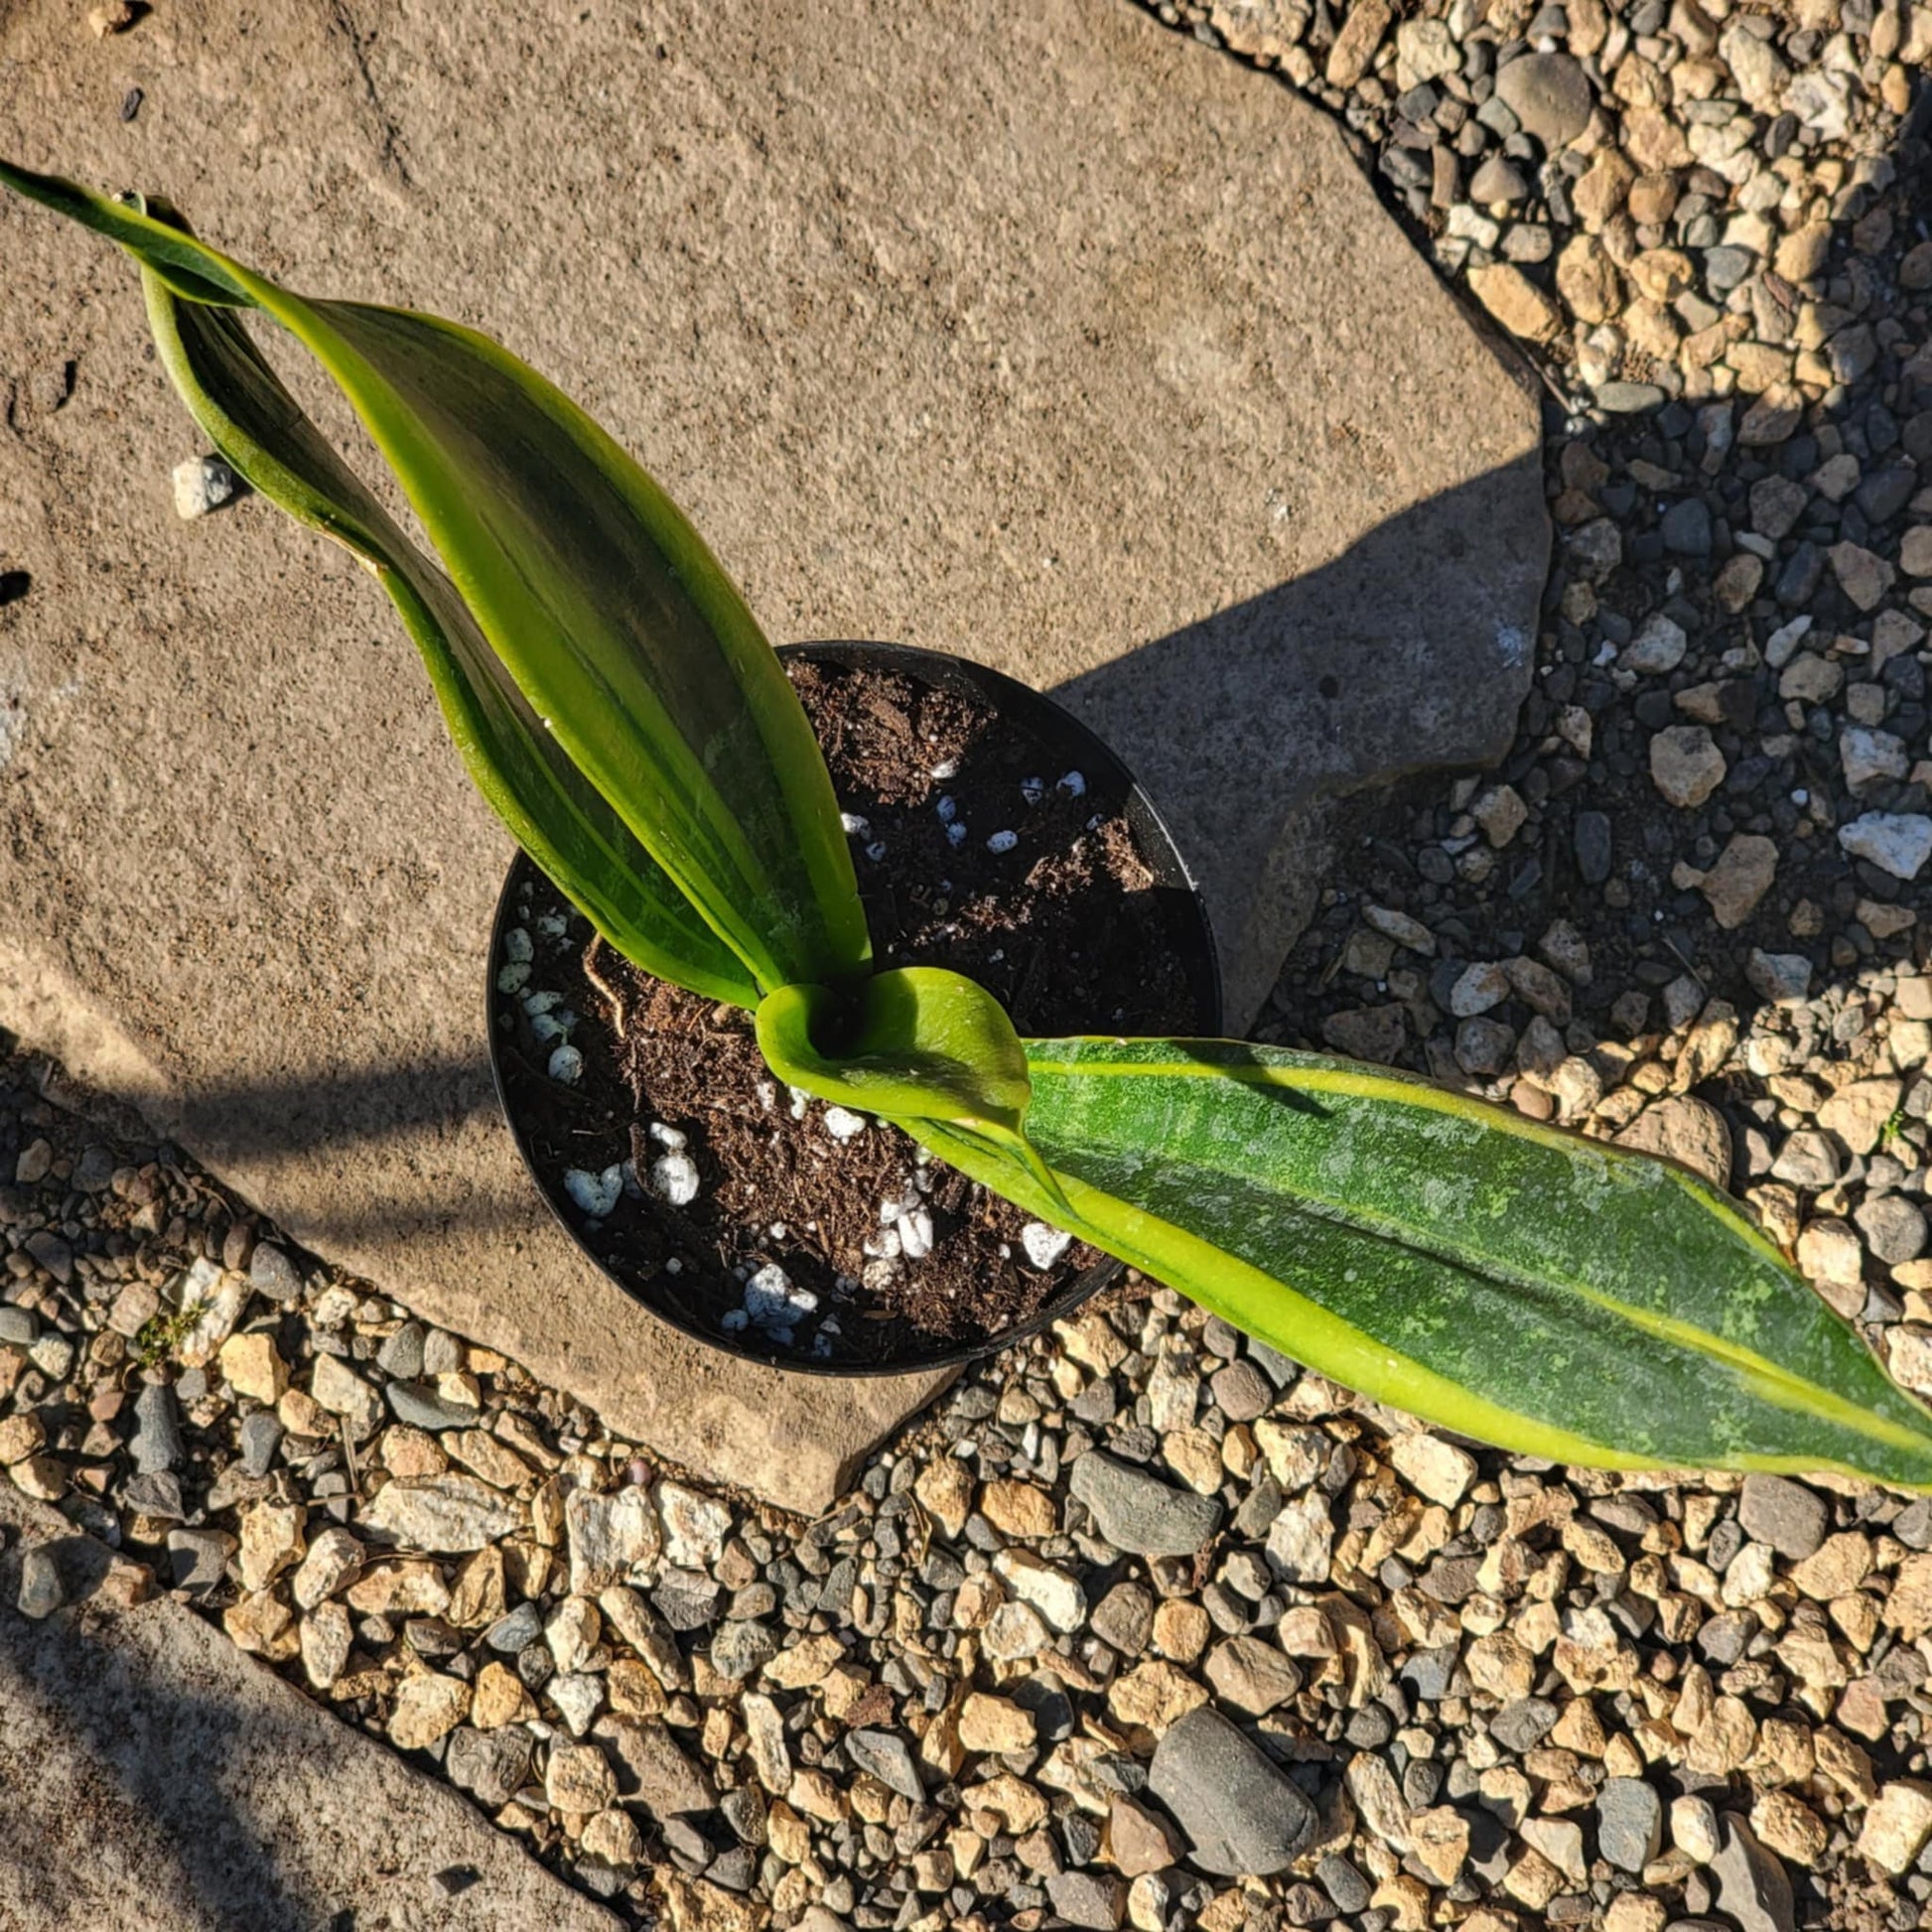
x,y
1410,651
126,1776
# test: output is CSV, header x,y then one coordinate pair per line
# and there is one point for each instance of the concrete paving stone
x,y
1047,337
155,1775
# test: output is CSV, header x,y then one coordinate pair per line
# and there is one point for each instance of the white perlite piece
x,y
855,826
1043,1245
1003,841
595,1193
674,1179
915,1234
843,1124
774,1303
1074,783
201,483
567,1066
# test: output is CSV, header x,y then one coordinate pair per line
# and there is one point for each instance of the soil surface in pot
x,y
975,850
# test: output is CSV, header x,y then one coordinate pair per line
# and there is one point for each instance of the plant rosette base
x,y
993,835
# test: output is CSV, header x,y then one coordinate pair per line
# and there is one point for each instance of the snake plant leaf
x,y
916,1042
1541,1292
551,809
629,642
918,1046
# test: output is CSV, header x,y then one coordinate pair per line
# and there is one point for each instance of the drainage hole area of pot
x,y
805,1233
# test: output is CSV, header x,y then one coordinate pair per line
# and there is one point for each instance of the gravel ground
x,y
1144,1625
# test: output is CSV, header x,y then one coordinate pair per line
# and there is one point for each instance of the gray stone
x,y
401,1354
1592,842
201,483
1550,94
365,1127
1343,1883
1140,1513
40,1592
740,1648
1629,398
1783,978
514,1630
491,1765
1685,528
1893,1228
1090,1898
1241,1813
273,1275
1521,1725
156,1444
155,1775
1785,1514
1895,842
441,1352
262,1436
1497,181
1241,1392
154,1495
20,1327
1124,1617
199,1559
888,1758
1629,1823
1754,1887
1808,1158
424,1407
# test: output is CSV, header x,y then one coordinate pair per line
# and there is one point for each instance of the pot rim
x,y
1159,850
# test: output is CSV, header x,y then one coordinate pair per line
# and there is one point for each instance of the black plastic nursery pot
x,y
806,1238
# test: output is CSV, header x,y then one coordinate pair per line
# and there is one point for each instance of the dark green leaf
x,y
628,640
557,817
1528,1287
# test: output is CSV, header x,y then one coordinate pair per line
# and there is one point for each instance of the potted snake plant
x,y
619,706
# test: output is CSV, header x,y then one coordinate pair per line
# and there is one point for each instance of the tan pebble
x,y
995,1724
1789,1826
427,1706
612,1836
578,1779
499,1698
1019,1509
22,1437
253,1366
1630,1911
1897,1826
1154,1695
1180,1630
945,1490
264,1626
